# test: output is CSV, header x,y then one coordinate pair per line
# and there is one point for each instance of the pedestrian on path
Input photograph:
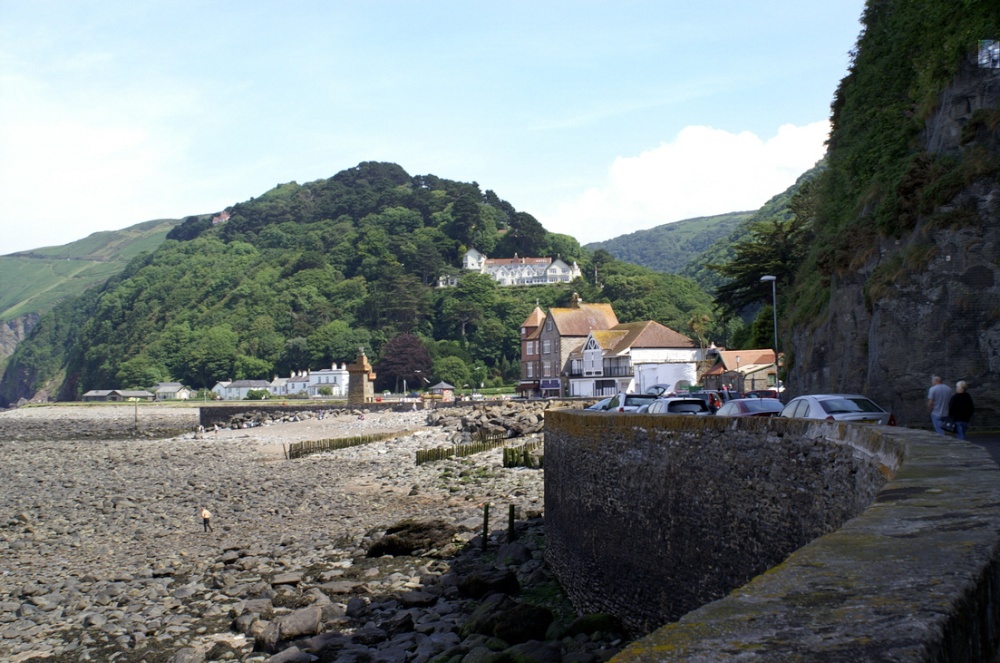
x,y
206,519
938,397
960,408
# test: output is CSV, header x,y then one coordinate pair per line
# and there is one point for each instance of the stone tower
x,y
361,388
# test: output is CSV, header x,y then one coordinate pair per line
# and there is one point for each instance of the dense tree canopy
x,y
303,275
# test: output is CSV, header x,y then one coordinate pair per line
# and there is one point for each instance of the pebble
x,y
103,557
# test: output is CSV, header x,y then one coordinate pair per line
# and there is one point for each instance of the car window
x,y
681,407
762,405
613,403
865,405
634,400
840,406
794,409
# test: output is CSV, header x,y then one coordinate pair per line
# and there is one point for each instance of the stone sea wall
x,y
882,543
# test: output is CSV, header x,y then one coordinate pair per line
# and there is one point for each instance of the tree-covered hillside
x,y
303,275
672,246
35,281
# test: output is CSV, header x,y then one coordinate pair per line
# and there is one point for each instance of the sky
x,y
598,118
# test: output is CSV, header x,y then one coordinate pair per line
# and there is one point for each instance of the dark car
x,y
751,407
713,398
762,393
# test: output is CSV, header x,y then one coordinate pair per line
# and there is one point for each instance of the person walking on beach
x,y
960,408
206,519
938,397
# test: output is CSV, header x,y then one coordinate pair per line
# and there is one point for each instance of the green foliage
x,y
452,370
880,181
305,274
257,395
672,246
35,281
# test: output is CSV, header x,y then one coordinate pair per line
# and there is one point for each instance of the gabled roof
x,y
747,358
646,334
583,319
535,318
441,386
651,334
751,361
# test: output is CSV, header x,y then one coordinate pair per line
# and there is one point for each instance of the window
x,y
546,369
548,325
530,369
547,346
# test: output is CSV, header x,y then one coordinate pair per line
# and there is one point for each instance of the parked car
x,y
679,405
622,402
837,407
751,407
658,389
600,405
715,398
762,393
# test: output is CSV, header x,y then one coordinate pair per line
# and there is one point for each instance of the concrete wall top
x,y
914,577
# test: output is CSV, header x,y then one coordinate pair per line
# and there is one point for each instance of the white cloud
x,y
704,171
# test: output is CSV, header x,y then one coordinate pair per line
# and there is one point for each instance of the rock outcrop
x,y
924,304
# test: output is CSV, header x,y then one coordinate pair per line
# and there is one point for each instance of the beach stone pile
x,y
98,422
509,418
103,557
253,418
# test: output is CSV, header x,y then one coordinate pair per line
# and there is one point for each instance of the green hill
x,y
672,246
303,275
35,281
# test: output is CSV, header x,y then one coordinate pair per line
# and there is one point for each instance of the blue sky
x,y
599,118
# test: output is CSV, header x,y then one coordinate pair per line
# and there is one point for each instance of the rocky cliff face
x,y
13,332
934,306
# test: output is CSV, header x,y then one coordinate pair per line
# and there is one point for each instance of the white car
x,y
837,407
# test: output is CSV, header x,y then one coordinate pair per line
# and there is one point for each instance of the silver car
x,y
837,407
677,406
623,402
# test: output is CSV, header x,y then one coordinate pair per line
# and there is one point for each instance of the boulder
x,y
408,536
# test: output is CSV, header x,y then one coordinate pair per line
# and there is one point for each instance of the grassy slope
x,y
35,281
670,247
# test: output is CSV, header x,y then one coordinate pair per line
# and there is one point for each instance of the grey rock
x,y
188,655
292,655
305,621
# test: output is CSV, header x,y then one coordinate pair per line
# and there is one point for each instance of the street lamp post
x,y
774,309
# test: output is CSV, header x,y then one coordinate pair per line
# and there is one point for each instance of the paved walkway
x,y
989,440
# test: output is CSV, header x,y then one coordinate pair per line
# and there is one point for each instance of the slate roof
x,y
252,384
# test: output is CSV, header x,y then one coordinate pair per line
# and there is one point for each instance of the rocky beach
x,y
103,556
